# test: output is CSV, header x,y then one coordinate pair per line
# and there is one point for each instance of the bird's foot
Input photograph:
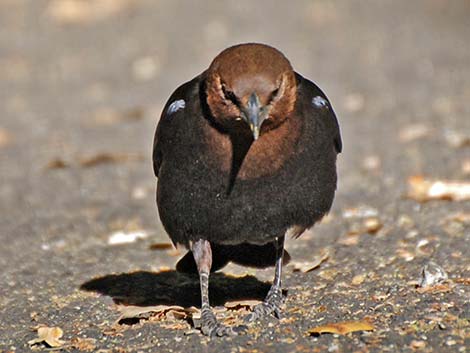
x,y
271,305
211,327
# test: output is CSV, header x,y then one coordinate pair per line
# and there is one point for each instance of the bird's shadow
x,y
142,288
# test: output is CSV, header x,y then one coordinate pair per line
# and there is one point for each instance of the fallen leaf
x,y
457,139
422,190
414,132
94,160
50,335
436,288
161,246
159,311
361,211
342,328
308,266
241,304
464,281
57,164
108,158
121,237
174,251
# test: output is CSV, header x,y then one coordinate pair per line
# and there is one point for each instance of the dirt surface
x,y
82,84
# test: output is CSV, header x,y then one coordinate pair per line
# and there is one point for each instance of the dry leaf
x,y
161,246
121,237
464,281
342,328
158,311
50,335
422,190
308,266
457,139
174,252
414,132
57,164
361,211
108,158
241,304
437,288
92,161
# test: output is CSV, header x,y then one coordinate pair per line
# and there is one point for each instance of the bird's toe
x,y
271,305
212,328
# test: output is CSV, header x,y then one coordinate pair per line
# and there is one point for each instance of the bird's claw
x,y
271,305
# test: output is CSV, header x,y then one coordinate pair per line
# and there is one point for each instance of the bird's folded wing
x,y
176,106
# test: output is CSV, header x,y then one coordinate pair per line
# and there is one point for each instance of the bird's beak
x,y
254,115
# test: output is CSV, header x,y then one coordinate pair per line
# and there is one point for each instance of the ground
x,y
82,84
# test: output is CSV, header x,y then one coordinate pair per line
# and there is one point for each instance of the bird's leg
x,y
202,253
273,301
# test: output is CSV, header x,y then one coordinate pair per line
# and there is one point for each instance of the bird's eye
x,y
229,95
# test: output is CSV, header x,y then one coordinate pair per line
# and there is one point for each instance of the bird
x,y
245,155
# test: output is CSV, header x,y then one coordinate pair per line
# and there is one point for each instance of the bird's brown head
x,y
250,86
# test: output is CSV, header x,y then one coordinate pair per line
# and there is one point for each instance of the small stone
x,y
432,274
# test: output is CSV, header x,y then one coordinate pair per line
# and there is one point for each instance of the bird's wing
x,y
176,107
316,103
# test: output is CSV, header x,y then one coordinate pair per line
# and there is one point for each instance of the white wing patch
x,y
175,106
319,102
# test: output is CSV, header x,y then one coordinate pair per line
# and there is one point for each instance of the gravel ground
x,y
82,84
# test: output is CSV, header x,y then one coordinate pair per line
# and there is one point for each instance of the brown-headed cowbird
x,y
245,154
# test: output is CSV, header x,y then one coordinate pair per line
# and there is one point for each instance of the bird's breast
x,y
256,159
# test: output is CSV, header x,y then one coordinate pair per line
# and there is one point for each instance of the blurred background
x,y
82,85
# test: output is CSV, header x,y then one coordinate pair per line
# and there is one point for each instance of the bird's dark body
x,y
198,200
